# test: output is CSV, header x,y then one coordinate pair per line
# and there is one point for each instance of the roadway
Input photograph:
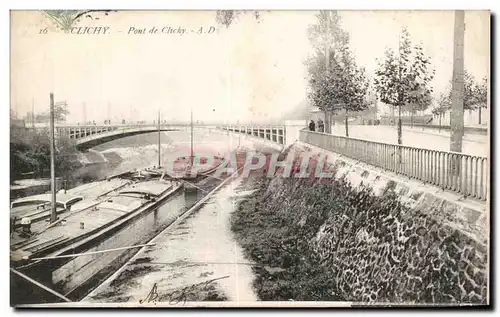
x,y
473,144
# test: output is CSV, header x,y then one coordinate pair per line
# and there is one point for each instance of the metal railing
x,y
79,132
458,172
274,133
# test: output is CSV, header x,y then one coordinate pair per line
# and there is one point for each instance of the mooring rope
x,y
41,285
92,252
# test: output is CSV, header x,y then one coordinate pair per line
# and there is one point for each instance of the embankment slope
x,y
362,236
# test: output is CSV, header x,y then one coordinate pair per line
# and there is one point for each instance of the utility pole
x,y
53,215
159,139
400,128
457,88
192,139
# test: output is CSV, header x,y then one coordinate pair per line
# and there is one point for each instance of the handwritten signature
x,y
177,296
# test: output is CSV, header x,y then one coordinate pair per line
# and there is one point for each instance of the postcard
x,y
256,158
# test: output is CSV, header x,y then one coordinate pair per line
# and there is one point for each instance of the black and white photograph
x,y
250,158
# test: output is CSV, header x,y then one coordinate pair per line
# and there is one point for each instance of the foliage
x,y
227,17
424,103
327,21
13,114
443,105
60,113
481,93
404,79
30,152
475,95
344,85
65,19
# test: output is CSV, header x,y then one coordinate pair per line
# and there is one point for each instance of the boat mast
x,y
53,216
192,155
159,140
33,113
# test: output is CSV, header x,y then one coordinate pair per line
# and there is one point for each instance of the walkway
x,y
473,144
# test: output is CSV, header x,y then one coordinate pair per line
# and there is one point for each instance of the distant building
x,y
360,117
471,118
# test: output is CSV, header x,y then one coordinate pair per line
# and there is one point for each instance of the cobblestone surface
x,y
380,250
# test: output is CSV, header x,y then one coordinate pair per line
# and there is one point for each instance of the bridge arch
x,y
89,136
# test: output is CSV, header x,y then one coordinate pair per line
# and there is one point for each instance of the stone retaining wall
x,y
398,241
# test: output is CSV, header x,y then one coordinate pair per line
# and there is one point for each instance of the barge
x,y
64,244
73,254
48,252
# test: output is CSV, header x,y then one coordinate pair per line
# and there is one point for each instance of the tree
x,y
422,105
13,114
352,89
371,104
404,78
469,83
443,105
66,19
481,94
30,152
475,94
60,113
342,88
332,68
227,17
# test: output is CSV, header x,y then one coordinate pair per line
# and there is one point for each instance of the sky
x,y
250,71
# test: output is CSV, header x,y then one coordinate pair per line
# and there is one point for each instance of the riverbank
x,y
339,241
107,159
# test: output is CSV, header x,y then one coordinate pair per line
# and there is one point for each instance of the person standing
x,y
321,126
312,126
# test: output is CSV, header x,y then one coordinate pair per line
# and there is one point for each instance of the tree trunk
x,y
440,115
480,114
400,132
346,125
328,122
411,118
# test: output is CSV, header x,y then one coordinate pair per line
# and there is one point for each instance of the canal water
x,y
201,248
197,258
127,154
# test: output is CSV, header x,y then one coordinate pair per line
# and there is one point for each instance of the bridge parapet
x,y
272,133
282,134
83,131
